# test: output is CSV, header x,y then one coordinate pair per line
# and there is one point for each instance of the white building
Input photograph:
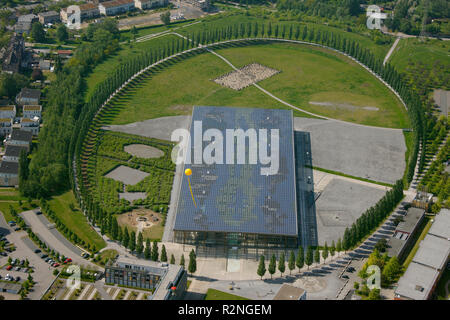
x,y
149,4
5,126
7,112
12,153
30,112
31,125
110,8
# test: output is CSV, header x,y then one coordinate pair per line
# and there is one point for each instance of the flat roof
x,y
9,167
410,220
7,108
14,151
288,292
21,135
115,3
32,107
417,282
10,286
238,198
433,251
441,224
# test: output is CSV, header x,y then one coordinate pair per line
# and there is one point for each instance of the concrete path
x,y
391,50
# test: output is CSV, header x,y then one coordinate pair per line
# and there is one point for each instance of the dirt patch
x,y
127,175
143,151
140,219
347,106
246,76
185,109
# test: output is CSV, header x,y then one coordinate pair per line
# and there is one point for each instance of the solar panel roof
x,y
237,198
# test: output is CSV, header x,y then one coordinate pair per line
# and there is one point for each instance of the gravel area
x,y
246,76
131,196
143,151
127,175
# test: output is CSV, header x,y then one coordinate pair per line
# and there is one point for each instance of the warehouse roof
x,y
238,197
441,224
417,282
433,251
21,135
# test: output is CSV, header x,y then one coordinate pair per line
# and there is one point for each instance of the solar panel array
x,y
236,197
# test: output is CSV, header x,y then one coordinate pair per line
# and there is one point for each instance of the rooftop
x,y
433,252
441,224
49,14
30,93
238,197
417,282
29,107
7,108
27,18
10,286
410,220
9,167
288,292
14,151
21,135
115,3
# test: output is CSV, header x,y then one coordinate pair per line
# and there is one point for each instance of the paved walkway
x,y
388,55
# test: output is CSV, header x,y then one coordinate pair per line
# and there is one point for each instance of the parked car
x,y
18,278
9,267
3,254
67,260
56,264
37,250
17,269
345,276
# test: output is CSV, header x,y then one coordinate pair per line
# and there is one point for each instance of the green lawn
x,y
75,220
213,294
413,50
307,74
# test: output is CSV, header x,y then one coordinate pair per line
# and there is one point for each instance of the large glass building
x,y
245,206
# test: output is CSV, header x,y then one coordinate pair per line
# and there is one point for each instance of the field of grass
x,y
307,74
213,294
413,50
311,74
74,219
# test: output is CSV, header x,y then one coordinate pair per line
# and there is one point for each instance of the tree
x,y
165,17
172,259
309,256
272,265
155,253
332,249
261,267
391,271
381,245
325,252
37,32
339,246
125,238
61,33
132,241
281,264
374,294
147,252
140,244
317,255
300,261
192,267
23,167
291,263
182,260
163,254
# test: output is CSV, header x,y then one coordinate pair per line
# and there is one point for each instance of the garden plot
x,y
143,151
127,175
245,76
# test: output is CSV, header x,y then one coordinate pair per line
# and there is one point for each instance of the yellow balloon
x,y
188,172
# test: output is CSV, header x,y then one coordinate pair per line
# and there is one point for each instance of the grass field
x,y
307,74
213,294
75,220
413,50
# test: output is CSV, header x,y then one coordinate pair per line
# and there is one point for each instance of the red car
x,y
68,260
9,267
56,264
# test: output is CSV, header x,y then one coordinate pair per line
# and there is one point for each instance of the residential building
x,y
168,281
288,292
87,11
49,17
22,27
28,97
7,112
10,287
202,4
429,263
9,174
401,240
65,54
149,4
12,153
423,200
31,125
20,138
13,55
5,126
30,112
110,8
29,18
